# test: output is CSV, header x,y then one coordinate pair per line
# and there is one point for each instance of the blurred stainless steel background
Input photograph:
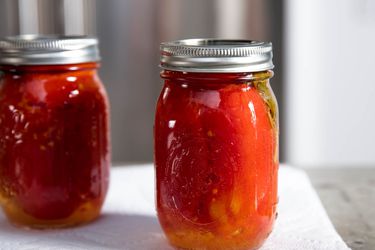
x,y
130,32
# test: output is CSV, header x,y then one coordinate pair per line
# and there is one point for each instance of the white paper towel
x,y
129,221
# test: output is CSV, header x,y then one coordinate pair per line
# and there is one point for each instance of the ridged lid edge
x,y
48,50
216,55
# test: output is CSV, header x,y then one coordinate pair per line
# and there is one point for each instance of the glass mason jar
x,y
54,131
216,144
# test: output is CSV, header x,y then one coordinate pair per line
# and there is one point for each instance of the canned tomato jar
x,y
54,131
216,144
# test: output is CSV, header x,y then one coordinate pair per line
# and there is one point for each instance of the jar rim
x,y
216,55
48,50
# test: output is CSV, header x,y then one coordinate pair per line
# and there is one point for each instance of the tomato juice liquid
x,y
216,159
54,144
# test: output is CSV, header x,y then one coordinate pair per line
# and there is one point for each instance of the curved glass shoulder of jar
x,y
50,84
259,80
50,68
217,77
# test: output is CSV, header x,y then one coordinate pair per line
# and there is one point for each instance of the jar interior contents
x,y
216,158
54,148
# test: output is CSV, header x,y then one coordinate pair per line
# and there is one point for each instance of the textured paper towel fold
x,y
129,222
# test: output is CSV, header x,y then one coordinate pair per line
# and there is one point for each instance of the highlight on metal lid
x,y
48,50
216,55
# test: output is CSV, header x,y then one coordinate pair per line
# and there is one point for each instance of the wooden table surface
x,y
348,196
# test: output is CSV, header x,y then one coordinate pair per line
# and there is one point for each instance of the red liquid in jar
x,y
216,144
54,144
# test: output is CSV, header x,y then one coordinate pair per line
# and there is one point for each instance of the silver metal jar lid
x,y
48,50
216,55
